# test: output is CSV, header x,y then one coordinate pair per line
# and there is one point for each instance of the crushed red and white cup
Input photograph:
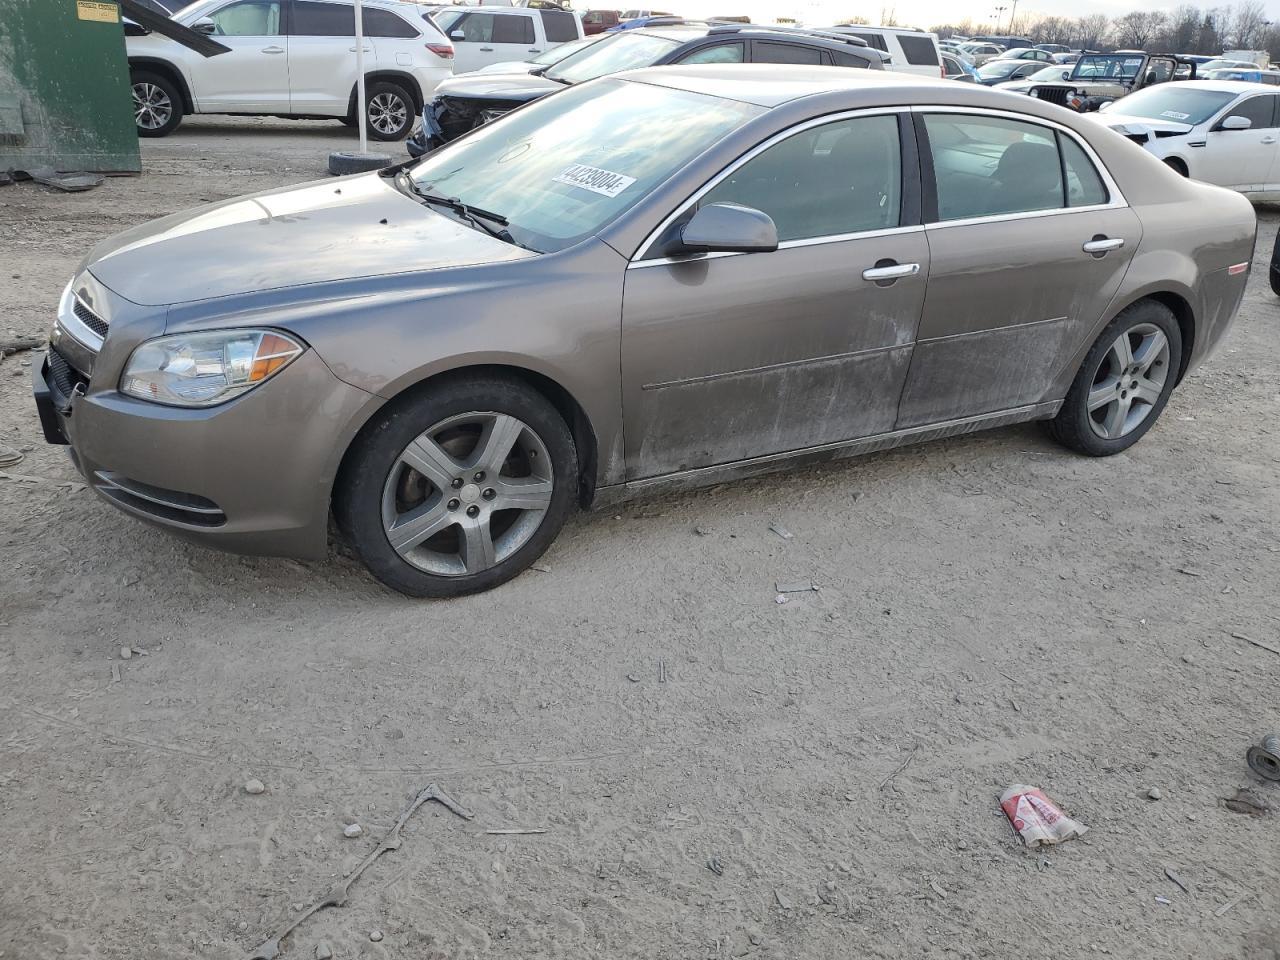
x,y
1038,819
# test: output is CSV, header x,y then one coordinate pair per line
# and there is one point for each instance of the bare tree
x,y
1136,30
1246,26
1182,30
1090,30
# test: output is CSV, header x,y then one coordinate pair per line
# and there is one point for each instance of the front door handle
x,y
273,49
890,272
1100,245
366,49
1268,139
486,49
536,50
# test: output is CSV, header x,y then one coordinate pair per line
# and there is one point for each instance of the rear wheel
x,y
460,488
157,104
1124,382
389,109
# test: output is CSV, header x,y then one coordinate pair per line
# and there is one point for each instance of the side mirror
x,y
729,228
1235,123
457,35
205,25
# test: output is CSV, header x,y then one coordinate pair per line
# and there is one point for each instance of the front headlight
x,y
203,369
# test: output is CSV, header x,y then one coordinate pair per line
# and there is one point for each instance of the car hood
x,y
341,229
1126,125
498,86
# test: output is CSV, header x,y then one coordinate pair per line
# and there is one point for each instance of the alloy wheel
x,y
388,113
468,493
1129,381
152,108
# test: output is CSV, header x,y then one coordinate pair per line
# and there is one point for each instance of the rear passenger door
x,y
482,38
322,56
558,26
1021,267
726,357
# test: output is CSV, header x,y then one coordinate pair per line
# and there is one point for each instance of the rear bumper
x,y
252,476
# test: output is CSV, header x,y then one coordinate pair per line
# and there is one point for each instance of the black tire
x,y
367,469
343,162
1275,267
384,100
1073,427
160,94
348,121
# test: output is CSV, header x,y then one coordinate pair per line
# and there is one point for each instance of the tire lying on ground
x,y
458,487
1275,267
157,103
1124,382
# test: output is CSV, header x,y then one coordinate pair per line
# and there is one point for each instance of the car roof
x,y
772,84
1221,86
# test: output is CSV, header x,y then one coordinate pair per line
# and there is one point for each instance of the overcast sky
x,y
916,13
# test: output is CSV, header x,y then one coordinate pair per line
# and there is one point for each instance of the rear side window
x,y
1084,185
850,59
919,51
989,166
512,28
560,26
874,40
720,53
323,19
384,23
844,177
768,52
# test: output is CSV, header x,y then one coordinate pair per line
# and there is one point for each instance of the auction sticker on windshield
x,y
1175,115
594,179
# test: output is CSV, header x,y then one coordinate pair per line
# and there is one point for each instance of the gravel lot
x,y
993,610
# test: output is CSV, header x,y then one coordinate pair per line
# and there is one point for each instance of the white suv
x,y
482,36
292,58
911,51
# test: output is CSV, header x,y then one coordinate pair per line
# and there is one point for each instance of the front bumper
x,y
253,475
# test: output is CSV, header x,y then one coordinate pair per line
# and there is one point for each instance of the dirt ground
x,y
993,610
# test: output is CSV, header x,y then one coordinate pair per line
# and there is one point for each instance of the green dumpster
x,y
64,88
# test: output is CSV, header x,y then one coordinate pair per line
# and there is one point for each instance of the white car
x,y
1220,131
486,35
911,51
291,58
548,58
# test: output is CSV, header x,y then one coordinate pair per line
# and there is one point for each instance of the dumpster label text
x,y
101,12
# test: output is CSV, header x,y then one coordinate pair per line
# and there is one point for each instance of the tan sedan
x,y
671,276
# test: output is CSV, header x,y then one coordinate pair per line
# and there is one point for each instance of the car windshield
x,y
613,54
1175,103
998,68
556,54
1107,68
1050,73
562,168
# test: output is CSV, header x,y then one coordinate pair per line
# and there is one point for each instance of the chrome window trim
x,y
745,158
1116,199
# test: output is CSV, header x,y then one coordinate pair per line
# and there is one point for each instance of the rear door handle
x,y
273,49
366,49
1268,139
536,50
895,271
486,49
1103,245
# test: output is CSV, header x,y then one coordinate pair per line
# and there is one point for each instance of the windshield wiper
x,y
476,216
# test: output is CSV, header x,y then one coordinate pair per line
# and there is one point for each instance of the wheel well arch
x,y
170,72
584,434
1177,164
399,78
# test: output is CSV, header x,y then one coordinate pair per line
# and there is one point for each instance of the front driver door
x,y
254,76
733,356
1241,159
1021,266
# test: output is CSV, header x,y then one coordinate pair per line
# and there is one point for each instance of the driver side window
x,y
842,177
248,18
1258,110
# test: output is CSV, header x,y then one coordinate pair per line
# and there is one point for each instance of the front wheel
x,y
1275,267
458,489
1124,382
